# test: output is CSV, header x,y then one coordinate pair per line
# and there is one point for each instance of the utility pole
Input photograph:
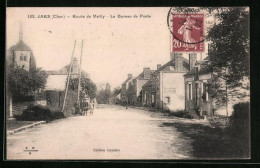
x,y
68,78
79,88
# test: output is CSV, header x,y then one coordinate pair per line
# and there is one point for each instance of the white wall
x,y
173,87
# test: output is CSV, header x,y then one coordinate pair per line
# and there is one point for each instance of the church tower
x,y
21,55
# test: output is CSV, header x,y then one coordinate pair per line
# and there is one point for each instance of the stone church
x,y
21,55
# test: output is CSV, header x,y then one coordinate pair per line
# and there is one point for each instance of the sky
x,y
113,47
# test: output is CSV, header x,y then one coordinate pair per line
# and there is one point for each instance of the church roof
x,y
20,46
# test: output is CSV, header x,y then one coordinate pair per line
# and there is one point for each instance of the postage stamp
x,y
188,32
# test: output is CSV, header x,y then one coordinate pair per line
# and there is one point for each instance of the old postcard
x,y
112,83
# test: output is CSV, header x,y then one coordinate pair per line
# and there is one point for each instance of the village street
x,y
114,132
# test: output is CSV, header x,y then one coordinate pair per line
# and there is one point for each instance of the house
x,y
125,86
196,88
74,70
165,89
56,85
133,92
118,98
197,97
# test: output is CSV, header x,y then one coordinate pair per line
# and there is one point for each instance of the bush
x,y
239,129
39,113
181,114
239,121
57,115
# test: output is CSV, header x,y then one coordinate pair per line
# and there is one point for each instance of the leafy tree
x,y
229,53
22,83
104,95
88,87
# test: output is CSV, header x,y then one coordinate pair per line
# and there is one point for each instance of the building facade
x,y
74,70
196,89
134,90
165,89
20,55
198,98
128,83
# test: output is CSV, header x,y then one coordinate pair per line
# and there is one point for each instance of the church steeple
x,y
21,32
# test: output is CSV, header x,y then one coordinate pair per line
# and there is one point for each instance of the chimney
x,y
192,59
147,73
129,76
158,66
178,59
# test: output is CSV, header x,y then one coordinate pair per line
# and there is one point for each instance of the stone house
x,y
74,70
165,89
125,86
197,97
134,89
196,88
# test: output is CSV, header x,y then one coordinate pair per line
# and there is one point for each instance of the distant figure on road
x,y
85,105
91,108
94,102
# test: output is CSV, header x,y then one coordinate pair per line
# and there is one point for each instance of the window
x,y
21,57
167,100
197,94
25,57
145,96
197,69
204,92
189,91
153,98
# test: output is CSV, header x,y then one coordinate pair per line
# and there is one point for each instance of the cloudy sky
x,y
113,47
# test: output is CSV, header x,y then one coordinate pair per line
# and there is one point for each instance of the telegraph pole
x,y
79,88
68,78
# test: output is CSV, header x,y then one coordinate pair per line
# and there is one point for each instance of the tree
x,y
104,95
88,87
22,83
229,53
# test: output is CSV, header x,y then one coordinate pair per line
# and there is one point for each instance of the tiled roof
x,y
147,83
185,64
20,46
203,68
141,75
127,80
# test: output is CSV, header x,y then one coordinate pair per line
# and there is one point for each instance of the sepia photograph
x,y
127,83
